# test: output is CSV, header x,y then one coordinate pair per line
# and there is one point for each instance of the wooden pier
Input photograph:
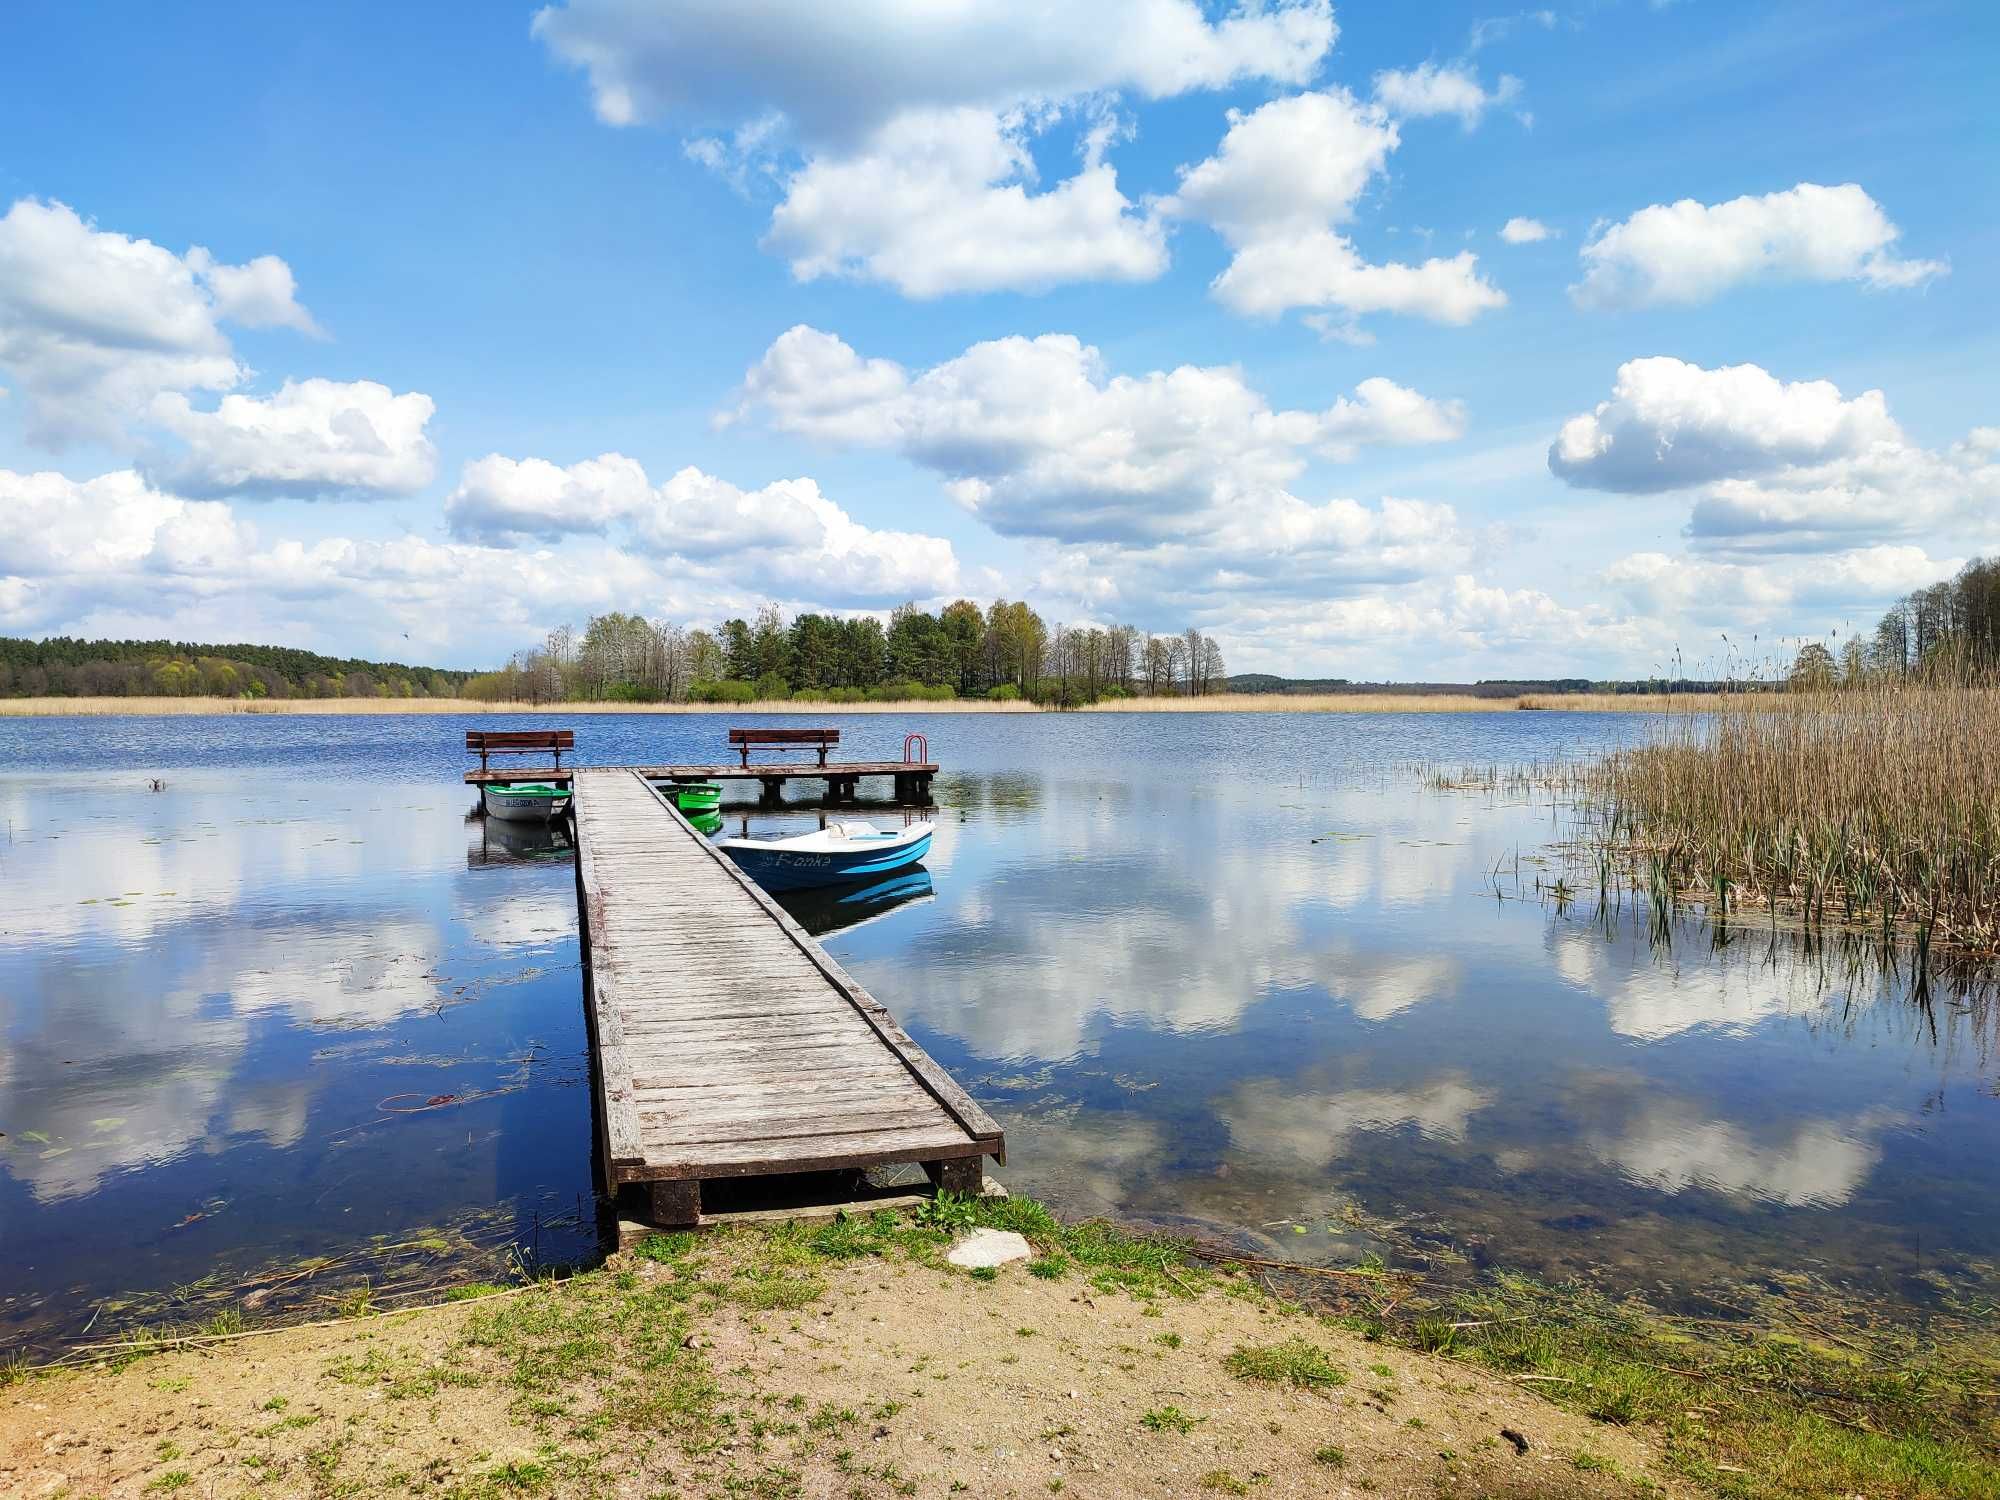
x,y
728,1043
910,776
910,780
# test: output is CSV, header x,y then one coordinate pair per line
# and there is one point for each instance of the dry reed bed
x,y
1369,703
1875,807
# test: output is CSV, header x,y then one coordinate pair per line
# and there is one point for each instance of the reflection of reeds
x,y
1876,806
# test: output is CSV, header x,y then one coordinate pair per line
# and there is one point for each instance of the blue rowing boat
x,y
827,856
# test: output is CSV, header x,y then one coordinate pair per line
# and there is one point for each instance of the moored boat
x,y
524,801
827,856
696,796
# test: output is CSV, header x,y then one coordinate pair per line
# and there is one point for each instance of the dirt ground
x,y
720,1373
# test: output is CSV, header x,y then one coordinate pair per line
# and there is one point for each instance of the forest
x,y
1005,651
1956,621
65,667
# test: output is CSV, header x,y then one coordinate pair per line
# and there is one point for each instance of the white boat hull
x,y
523,807
848,851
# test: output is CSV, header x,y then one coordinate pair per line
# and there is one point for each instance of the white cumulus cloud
x,y
795,540
839,72
114,555
107,337
505,500
1451,89
94,325
1890,489
1743,594
1038,438
1670,424
312,437
1689,252
1283,176
56,528
787,537
260,293
1781,466
900,135
941,201
1520,231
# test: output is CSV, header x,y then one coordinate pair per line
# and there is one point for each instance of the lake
x,y
298,1028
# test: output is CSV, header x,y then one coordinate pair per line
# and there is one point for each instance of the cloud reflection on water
x,y
1275,1118
130,1036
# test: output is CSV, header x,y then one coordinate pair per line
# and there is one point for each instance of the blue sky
x,y
1148,311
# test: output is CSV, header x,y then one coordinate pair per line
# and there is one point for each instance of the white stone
x,y
988,1247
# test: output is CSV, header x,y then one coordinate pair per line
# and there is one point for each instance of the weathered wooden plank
x,y
684,1067
736,1046
762,1131
659,1036
750,1097
935,1080
826,1154
621,1121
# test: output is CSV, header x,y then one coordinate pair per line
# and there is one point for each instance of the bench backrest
x,y
518,741
784,736
797,739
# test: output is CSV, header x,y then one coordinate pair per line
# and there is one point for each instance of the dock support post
x,y
675,1205
773,790
963,1175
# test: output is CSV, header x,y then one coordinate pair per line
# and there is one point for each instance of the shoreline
x,y
1414,703
847,1357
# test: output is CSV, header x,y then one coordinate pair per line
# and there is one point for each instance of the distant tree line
x,y
1953,625
1005,651
63,667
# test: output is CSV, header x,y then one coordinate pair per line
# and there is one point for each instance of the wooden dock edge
x,y
630,1232
984,1131
619,1119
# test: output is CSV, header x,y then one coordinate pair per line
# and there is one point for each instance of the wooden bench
x,y
785,739
485,742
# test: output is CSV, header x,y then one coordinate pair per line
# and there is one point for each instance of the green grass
x,y
472,1289
1168,1419
1111,1258
770,1290
615,1361
1743,1410
1296,1362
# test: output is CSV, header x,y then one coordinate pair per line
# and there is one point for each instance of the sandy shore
x,y
749,1366
1374,703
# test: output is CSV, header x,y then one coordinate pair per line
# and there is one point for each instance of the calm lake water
x,y
299,1019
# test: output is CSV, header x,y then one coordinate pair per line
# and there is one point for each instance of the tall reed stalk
x,y
1874,806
